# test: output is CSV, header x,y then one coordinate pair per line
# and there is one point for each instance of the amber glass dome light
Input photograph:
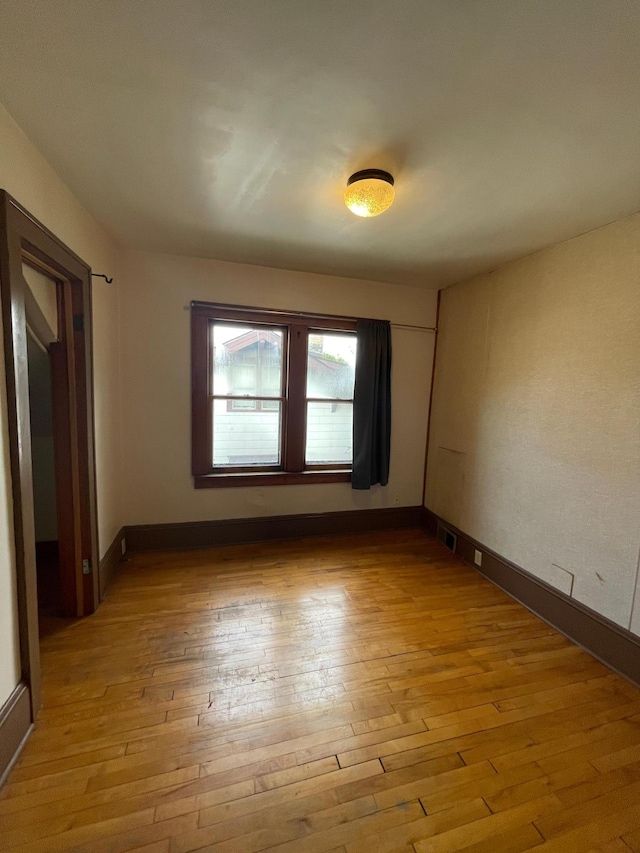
x,y
369,192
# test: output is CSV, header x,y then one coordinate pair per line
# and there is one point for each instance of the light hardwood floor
x,y
353,695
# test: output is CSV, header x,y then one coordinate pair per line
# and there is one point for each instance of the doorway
x,y
46,316
43,466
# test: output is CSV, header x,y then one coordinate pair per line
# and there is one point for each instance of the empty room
x,y
320,426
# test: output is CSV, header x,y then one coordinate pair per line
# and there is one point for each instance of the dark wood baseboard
x,y
15,727
616,647
205,534
110,562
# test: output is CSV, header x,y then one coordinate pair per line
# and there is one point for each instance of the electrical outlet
x,y
477,557
396,500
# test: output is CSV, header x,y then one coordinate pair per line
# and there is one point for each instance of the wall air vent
x,y
447,537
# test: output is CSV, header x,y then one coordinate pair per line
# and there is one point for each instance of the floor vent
x,y
447,537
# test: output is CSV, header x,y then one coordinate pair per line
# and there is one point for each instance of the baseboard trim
x,y
110,562
614,646
15,728
206,534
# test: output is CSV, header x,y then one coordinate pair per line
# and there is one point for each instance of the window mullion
x,y
296,390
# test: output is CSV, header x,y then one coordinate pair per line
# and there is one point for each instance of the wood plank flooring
x,y
366,694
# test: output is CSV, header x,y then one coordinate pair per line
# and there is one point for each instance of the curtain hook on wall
x,y
101,275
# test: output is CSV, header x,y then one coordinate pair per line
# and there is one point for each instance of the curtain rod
x,y
418,328
310,316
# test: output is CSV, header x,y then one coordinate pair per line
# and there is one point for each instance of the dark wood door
x,y
64,452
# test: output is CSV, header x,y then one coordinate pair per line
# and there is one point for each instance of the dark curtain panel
x,y
372,405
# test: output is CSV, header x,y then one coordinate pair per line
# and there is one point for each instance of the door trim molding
x,y
23,237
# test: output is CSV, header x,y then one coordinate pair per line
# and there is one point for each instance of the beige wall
x,y
44,290
32,182
156,290
535,442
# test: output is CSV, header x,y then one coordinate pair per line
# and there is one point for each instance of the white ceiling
x,y
227,128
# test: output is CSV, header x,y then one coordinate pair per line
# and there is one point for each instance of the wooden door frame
x,y
22,235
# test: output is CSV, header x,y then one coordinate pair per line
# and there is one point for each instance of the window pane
x,y
331,365
329,433
247,360
245,434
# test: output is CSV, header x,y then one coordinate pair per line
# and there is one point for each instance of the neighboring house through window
x,y
248,365
272,397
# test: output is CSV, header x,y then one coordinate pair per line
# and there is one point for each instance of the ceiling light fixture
x,y
369,192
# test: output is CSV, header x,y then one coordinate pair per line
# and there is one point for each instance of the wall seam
x,y
431,395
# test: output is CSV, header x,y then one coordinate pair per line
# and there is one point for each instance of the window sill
x,y
269,478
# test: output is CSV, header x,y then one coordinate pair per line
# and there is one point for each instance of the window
x,y
272,397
